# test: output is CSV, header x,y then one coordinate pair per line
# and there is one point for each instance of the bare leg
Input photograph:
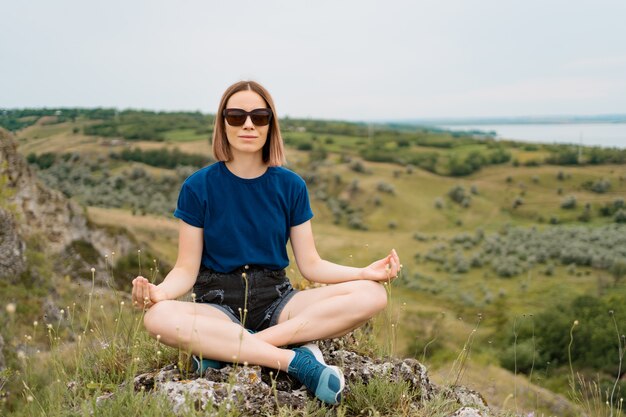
x,y
326,312
206,331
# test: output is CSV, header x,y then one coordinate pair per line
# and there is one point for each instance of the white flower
x,y
10,308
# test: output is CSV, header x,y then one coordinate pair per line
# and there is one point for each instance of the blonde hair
x,y
273,150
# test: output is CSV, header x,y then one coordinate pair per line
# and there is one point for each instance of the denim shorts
x,y
262,292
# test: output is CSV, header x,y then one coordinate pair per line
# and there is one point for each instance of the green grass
x,y
416,314
184,135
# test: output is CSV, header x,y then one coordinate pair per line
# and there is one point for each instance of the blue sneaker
x,y
199,367
325,381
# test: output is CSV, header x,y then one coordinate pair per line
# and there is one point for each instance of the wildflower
x,y
93,270
10,308
158,353
62,311
575,322
49,326
30,398
121,303
245,363
21,354
158,337
35,323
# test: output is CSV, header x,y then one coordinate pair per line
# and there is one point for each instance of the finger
x,y
138,301
145,295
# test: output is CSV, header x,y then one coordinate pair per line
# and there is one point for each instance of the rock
x,y
260,391
35,211
467,398
468,412
12,247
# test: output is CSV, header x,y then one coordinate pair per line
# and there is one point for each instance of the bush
x,y
598,186
458,194
521,357
385,188
568,203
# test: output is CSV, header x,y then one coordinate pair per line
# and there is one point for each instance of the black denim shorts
x,y
254,300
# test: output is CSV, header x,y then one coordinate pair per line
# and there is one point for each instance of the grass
x,y
412,209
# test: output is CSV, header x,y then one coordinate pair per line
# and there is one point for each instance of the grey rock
x,y
254,390
39,212
468,412
12,247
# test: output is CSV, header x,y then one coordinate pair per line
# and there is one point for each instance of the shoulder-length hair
x,y
273,150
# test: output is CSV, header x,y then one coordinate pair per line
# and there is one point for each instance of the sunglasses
x,y
237,117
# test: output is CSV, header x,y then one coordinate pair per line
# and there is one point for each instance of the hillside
x,y
515,236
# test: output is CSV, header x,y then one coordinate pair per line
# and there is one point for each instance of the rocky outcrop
x,y
30,210
258,391
12,247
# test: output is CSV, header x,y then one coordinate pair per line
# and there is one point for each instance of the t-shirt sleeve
x,y
301,207
189,207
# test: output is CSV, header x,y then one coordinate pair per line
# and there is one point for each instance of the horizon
x,y
525,118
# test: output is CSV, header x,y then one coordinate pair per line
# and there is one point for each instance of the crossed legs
x,y
314,314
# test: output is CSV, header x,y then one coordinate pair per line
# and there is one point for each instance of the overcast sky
x,y
333,59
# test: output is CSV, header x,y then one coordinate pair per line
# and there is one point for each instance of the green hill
x,y
508,235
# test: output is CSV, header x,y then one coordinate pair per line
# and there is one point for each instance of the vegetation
x,y
487,234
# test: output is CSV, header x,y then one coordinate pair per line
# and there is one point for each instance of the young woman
x,y
236,217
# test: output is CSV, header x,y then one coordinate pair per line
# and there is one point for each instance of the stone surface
x,y
468,412
259,391
12,247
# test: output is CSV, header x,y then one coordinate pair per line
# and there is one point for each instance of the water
x,y
590,134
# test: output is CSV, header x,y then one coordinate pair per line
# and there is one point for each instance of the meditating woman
x,y
236,217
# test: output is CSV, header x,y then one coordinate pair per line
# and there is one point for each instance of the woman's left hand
x,y
385,269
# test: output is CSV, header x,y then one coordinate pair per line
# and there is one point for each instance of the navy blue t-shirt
x,y
245,221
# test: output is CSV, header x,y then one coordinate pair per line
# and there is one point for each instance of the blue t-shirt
x,y
245,221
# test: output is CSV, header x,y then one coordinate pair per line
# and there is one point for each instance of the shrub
x,y
568,203
385,188
599,186
457,194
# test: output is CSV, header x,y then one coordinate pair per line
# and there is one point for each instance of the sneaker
x,y
199,367
325,381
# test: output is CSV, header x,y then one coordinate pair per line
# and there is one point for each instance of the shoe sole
x,y
315,350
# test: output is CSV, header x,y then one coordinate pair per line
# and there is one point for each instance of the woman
x,y
236,218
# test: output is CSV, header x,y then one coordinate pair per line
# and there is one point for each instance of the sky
x,y
342,59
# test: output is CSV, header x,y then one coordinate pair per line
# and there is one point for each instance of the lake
x,y
589,134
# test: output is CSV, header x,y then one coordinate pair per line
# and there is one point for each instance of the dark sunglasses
x,y
237,117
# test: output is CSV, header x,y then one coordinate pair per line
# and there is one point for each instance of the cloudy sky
x,y
352,59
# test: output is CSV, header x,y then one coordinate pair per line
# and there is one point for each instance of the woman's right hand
x,y
145,294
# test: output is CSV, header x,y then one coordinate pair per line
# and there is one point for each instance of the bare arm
x,y
315,269
182,277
